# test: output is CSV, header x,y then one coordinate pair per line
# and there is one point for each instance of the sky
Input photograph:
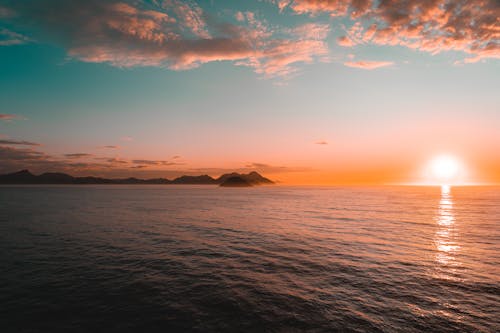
x,y
303,91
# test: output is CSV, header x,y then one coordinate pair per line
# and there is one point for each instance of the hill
x,y
26,177
236,182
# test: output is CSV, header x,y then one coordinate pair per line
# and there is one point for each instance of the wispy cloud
x,y
5,12
112,160
8,37
155,162
321,142
18,142
78,155
268,168
368,64
9,117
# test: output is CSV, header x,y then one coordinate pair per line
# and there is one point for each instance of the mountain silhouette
x,y
236,181
254,178
204,179
26,177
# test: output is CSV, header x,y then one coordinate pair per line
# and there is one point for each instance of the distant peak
x,y
23,172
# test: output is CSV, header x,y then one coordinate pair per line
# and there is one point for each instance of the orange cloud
x,y
345,41
333,7
9,117
313,31
368,64
431,26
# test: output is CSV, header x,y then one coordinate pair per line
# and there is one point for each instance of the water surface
x,y
270,259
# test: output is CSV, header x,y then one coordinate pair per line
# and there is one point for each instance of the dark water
x,y
279,259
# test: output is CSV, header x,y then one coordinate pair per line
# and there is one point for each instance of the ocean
x,y
166,258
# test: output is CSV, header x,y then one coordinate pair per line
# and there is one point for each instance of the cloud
x,y
431,26
333,7
8,37
368,64
267,168
15,158
314,31
18,142
257,165
345,41
155,162
5,12
190,16
110,147
138,166
112,160
19,154
9,117
322,142
77,155
174,34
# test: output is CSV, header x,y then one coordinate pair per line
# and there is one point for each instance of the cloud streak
x,y
368,64
18,142
8,37
155,162
77,155
9,117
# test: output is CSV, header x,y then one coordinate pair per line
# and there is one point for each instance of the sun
x,y
444,169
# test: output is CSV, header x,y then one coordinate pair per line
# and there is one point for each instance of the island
x,y
233,179
236,181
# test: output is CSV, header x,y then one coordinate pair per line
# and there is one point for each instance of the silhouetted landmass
x,y
235,181
253,178
26,177
205,179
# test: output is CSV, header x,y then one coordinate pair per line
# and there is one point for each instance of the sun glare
x,y
444,169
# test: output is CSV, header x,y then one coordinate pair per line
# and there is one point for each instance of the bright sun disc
x,y
445,168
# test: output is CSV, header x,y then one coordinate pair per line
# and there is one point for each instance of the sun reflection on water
x,y
446,235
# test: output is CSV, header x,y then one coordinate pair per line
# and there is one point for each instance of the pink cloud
x,y
333,7
431,26
368,64
190,16
313,31
9,117
175,35
345,41
239,16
